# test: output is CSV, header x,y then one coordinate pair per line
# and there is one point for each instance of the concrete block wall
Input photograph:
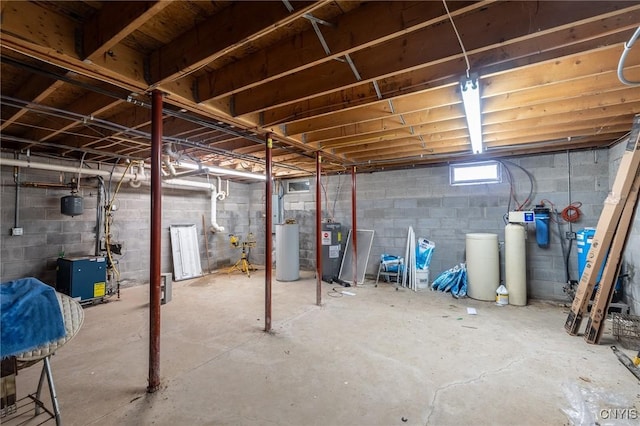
x,y
389,202
48,233
631,255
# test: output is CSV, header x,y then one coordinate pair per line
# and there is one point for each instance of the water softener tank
x,y
287,252
483,269
515,270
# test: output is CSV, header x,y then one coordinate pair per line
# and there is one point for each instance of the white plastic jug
x,y
502,295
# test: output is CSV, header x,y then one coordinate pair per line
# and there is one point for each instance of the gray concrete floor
x,y
381,357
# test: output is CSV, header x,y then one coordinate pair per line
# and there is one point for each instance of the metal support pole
x,y
354,227
268,235
318,230
16,178
156,238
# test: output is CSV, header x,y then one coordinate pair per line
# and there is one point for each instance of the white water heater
x,y
483,267
287,252
515,263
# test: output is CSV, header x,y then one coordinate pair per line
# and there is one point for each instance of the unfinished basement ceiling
x,y
367,84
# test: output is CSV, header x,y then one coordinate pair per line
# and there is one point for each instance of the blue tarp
x,y
30,316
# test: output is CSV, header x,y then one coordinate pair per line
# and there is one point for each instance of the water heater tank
x,y
515,263
287,252
71,205
483,267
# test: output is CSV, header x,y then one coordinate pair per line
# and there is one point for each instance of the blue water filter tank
x,y
542,226
584,238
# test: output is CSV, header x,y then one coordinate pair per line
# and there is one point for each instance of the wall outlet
x,y
17,231
570,235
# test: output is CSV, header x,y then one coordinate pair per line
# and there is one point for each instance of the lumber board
x,y
605,230
595,323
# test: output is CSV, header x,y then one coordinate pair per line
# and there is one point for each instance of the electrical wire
x,y
464,52
566,252
326,197
511,190
543,203
335,199
80,172
109,219
519,206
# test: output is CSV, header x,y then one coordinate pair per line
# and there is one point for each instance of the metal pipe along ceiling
x,y
133,177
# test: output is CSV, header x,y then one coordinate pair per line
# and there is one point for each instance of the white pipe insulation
x,y
135,178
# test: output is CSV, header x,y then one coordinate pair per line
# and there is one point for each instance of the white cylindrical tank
x,y
287,252
483,267
515,263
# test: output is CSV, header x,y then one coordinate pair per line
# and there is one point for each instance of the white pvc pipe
x,y
221,194
58,168
190,183
134,177
214,215
214,197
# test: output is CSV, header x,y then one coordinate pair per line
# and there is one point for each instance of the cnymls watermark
x,y
619,414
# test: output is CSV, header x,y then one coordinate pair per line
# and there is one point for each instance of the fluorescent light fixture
x,y
470,88
223,171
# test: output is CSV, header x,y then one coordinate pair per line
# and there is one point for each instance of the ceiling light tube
x,y
470,88
223,171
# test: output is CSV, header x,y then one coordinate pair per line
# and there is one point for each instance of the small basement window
x,y
301,185
475,173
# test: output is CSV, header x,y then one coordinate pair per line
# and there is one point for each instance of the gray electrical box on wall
x,y
276,212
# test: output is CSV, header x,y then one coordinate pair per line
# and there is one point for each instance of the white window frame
x,y
479,166
291,186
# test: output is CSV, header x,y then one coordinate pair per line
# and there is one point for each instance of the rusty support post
x,y
268,235
354,227
318,229
156,238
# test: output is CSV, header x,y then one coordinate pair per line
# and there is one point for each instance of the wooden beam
x,y
232,28
513,138
367,25
36,89
591,85
509,55
90,105
483,29
596,116
126,74
114,22
497,95
437,120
